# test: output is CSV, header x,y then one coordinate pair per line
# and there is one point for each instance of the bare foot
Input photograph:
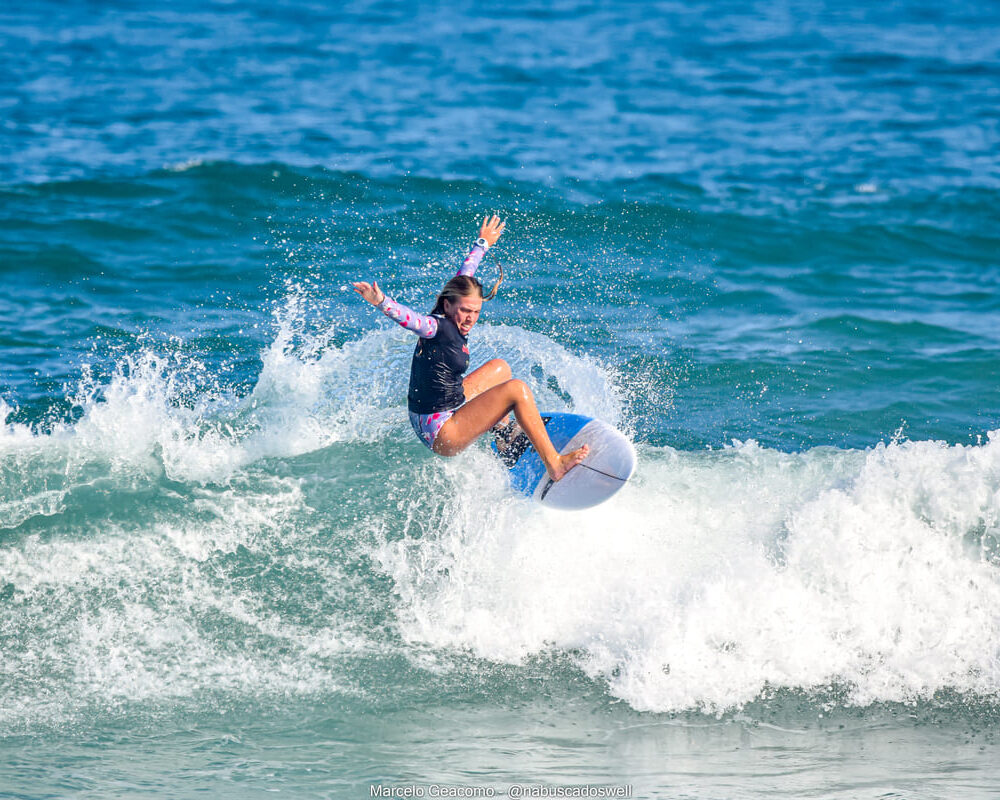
x,y
567,462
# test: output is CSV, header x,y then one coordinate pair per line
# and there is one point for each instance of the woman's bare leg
x,y
483,411
490,374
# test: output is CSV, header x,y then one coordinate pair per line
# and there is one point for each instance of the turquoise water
x,y
761,240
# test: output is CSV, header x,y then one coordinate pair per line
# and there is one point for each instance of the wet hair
x,y
464,286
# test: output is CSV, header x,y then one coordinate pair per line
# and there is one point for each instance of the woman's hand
x,y
370,292
491,229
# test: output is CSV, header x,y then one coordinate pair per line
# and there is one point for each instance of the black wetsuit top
x,y
437,369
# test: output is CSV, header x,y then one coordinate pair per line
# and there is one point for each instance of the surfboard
x,y
604,472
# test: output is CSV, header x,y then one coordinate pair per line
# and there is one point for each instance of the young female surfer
x,y
448,412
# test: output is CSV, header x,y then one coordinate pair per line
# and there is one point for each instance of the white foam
x,y
184,166
124,598
717,576
140,612
712,578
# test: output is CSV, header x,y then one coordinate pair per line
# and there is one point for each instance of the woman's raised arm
x,y
424,325
489,232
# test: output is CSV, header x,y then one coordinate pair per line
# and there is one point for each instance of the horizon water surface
x,y
761,239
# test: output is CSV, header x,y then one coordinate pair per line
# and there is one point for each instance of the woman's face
x,y
464,312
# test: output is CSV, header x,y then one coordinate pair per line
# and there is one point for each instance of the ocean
x,y
761,239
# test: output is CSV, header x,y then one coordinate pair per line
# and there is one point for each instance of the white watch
x,y
481,242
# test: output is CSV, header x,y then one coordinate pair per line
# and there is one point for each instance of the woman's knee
x,y
500,367
519,389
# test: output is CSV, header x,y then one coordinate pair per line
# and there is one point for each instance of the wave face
x,y
841,323
177,539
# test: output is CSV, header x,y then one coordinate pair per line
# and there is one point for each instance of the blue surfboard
x,y
604,472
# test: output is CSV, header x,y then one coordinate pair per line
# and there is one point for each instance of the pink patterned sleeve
x,y
424,325
471,263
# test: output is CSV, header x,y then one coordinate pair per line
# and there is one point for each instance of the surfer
x,y
448,413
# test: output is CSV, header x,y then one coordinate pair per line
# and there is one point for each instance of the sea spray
x,y
717,577
194,541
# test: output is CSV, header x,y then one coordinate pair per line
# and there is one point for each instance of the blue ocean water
x,y
760,238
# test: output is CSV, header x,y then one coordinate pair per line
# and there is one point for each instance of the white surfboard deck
x,y
604,472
